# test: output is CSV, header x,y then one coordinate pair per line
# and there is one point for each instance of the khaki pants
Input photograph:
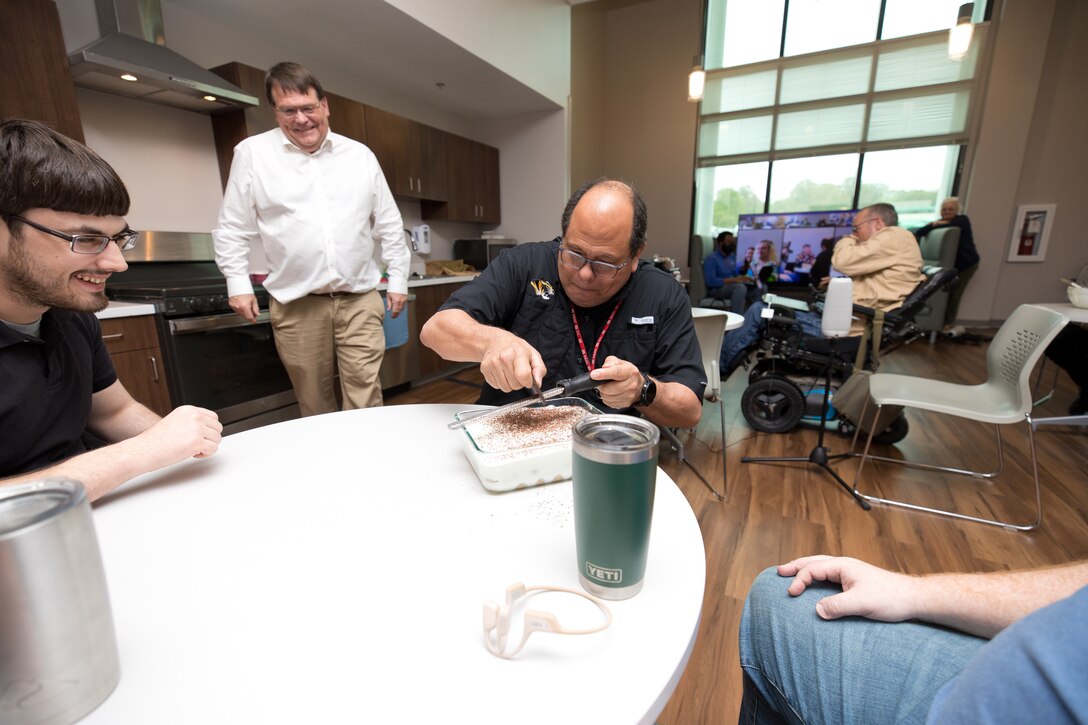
x,y
318,335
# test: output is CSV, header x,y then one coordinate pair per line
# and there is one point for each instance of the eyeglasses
x,y
858,225
604,270
85,243
304,110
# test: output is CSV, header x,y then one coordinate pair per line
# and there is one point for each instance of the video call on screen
x,y
796,239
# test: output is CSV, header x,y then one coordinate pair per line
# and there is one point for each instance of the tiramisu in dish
x,y
525,446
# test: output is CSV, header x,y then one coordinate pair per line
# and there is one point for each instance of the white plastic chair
x,y
1004,398
710,330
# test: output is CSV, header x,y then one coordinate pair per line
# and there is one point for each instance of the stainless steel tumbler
x,y
58,651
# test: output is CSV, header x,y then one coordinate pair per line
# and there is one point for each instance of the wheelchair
x,y
787,368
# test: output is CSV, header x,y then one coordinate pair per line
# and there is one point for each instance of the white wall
x,y
165,156
631,116
533,172
528,39
1032,149
587,90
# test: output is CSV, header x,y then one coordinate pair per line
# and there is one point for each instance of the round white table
x,y
333,569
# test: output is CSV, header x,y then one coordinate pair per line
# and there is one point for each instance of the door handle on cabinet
x,y
114,336
154,368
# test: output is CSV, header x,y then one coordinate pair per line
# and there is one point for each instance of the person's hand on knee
x,y
867,591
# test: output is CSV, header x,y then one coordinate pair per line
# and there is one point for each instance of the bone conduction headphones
x,y
497,619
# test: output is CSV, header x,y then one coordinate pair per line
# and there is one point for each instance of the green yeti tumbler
x,y
614,472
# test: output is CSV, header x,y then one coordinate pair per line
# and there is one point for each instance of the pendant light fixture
x,y
959,37
696,80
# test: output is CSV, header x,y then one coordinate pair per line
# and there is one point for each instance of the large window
x,y
813,25
820,105
816,183
915,180
740,32
728,192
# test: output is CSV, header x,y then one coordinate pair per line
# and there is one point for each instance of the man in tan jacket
x,y
883,260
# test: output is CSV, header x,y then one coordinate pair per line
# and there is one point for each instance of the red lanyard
x,y
592,363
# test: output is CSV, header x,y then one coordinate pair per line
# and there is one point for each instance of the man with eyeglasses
x,y
582,302
62,230
318,204
883,261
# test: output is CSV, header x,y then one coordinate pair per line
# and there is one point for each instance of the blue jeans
x,y
744,337
799,668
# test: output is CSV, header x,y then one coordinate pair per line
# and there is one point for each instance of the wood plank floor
x,y
778,512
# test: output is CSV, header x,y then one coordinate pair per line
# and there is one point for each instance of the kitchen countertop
x,y
433,280
125,309
135,309
430,280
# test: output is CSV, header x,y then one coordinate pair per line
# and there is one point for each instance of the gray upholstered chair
x,y
698,250
938,250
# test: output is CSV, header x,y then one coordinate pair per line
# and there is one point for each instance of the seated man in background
x,y
946,648
62,231
966,257
882,259
721,277
582,302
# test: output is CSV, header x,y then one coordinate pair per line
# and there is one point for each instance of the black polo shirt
x,y
652,327
46,387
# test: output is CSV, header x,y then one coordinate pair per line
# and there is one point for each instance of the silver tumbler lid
x,y
24,505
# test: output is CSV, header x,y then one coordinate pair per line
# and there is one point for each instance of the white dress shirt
x,y
318,217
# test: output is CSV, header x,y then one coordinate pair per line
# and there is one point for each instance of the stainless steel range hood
x,y
133,46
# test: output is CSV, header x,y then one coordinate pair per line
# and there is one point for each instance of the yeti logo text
x,y
609,576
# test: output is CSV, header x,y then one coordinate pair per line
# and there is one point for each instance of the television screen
x,y
783,247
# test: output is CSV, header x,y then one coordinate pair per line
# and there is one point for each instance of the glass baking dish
x,y
515,466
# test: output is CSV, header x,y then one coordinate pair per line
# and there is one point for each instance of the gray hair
x,y
885,212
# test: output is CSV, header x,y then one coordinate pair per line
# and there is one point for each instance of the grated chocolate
x,y
525,428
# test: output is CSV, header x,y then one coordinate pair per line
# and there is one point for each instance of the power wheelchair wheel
x,y
894,433
773,404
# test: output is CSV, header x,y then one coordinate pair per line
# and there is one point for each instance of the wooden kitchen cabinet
x,y
412,155
428,299
473,188
233,127
134,349
454,178
347,117
36,83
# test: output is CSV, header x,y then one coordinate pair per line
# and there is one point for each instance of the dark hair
x,y
726,241
885,212
638,218
291,77
43,169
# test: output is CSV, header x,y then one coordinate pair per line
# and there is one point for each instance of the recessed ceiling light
x,y
210,98
129,77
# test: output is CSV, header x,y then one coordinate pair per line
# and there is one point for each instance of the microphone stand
x,y
820,455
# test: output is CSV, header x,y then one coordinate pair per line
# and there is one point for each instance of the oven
x,y
213,358
222,362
